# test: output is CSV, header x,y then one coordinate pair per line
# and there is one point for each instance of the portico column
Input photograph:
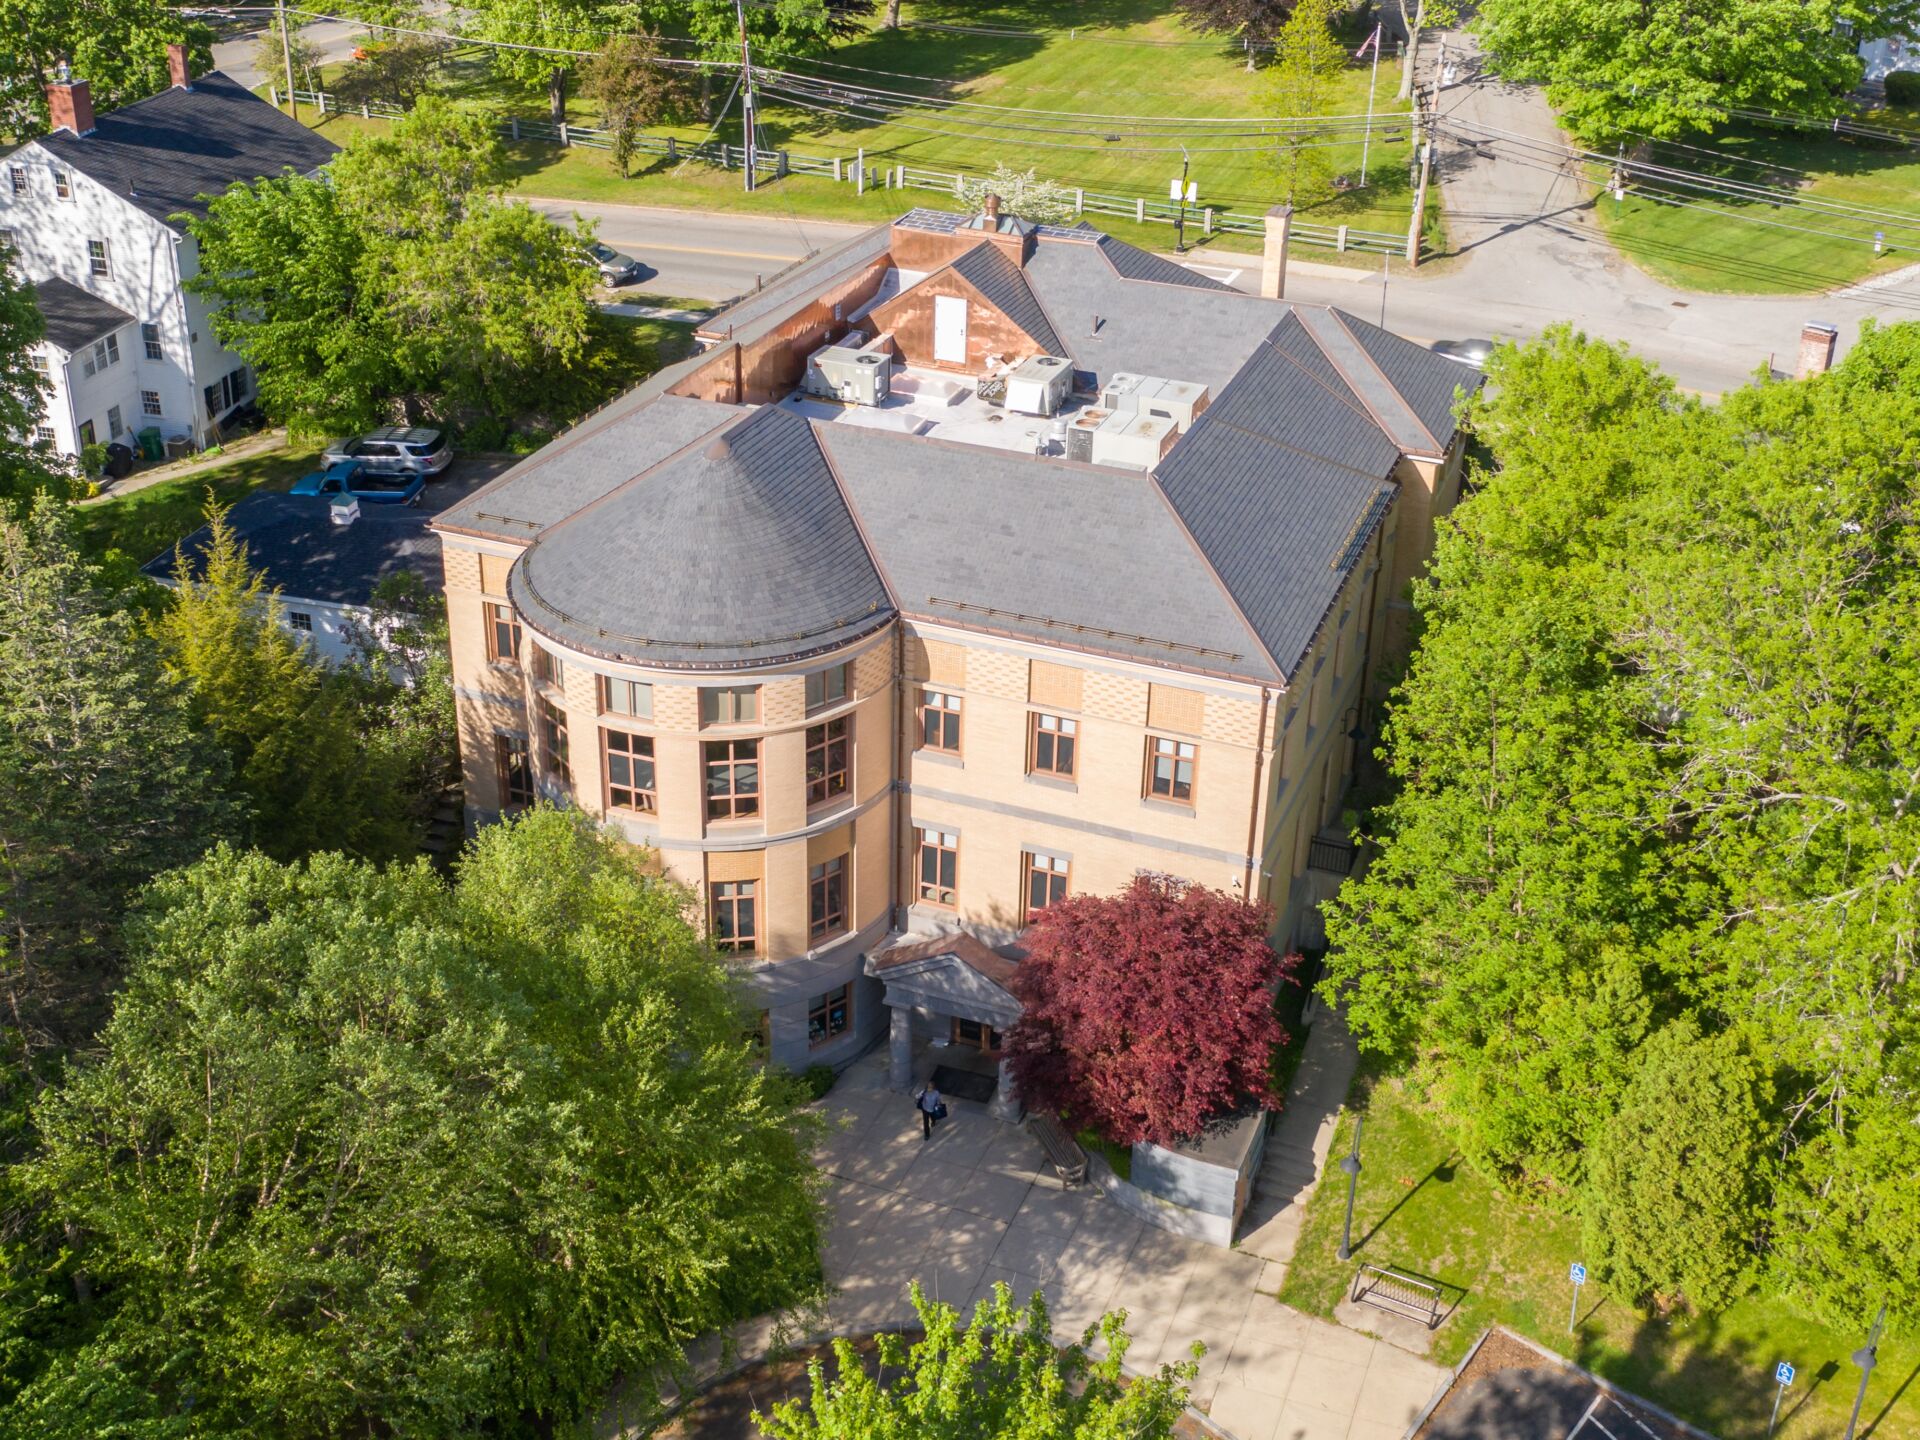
x,y
1006,1104
900,1048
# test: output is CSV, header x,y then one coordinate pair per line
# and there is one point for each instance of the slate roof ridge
x,y
1340,318
1226,590
1345,395
1335,316
1199,281
1275,440
853,512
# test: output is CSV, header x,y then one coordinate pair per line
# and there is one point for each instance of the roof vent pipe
x,y
991,208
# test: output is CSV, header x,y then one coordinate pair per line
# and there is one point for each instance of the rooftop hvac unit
x,y
1134,442
1038,385
1080,434
1121,390
1180,401
853,377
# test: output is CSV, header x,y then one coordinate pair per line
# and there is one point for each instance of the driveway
x,y
976,1204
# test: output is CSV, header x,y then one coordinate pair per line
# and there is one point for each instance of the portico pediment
x,y
949,974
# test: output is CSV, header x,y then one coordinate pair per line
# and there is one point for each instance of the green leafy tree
x,y
1416,18
119,47
272,56
400,71
1667,67
373,1154
103,782
404,673
1677,1176
424,175
1001,1375
633,91
26,469
1300,84
1253,23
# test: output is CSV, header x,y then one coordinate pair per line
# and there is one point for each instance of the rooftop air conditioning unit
x,y
1080,433
1121,390
1038,385
1133,442
853,377
1181,401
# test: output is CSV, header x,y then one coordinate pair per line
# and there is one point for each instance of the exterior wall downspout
x,y
1254,848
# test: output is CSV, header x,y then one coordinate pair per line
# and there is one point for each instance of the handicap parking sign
x,y
1578,1273
1783,1373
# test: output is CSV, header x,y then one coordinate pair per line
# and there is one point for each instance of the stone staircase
x,y
1297,1145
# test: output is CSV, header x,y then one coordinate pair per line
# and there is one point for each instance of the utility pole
x,y
1432,131
1180,194
746,89
286,54
1366,140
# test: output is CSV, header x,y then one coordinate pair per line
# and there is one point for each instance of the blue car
x,y
352,477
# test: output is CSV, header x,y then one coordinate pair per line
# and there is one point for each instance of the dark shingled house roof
x,y
738,548
165,153
75,318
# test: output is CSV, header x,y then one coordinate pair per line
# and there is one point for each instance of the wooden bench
x,y
1069,1161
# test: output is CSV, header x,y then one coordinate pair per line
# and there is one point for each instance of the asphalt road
x,y
336,39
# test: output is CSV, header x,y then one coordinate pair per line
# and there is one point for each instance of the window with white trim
x,y
98,261
150,402
18,175
150,337
62,184
114,423
300,620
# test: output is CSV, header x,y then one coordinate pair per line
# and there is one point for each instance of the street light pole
x,y
1180,194
1351,1164
1866,1357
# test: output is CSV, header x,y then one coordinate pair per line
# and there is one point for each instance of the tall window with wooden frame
x,y
514,768
1044,880
940,722
733,778
553,739
547,667
827,751
503,635
1170,769
735,918
828,687
938,869
632,698
1053,742
829,1016
627,762
827,899
730,705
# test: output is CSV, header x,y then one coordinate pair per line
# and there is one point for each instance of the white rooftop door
x,y
950,329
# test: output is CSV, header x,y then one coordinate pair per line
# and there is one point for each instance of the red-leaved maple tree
x,y
1150,1012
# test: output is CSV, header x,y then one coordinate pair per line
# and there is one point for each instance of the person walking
x,y
932,1110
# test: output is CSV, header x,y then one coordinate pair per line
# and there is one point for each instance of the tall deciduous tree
x,y
370,1154
1022,193
633,91
1147,1013
274,55
103,782
1667,67
999,1376
1658,758
1300,84
1416,18
1254,23
119,47
26,470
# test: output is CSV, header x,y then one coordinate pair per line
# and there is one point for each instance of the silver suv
x,y
395,450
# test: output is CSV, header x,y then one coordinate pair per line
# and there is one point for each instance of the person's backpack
x,y
939,1109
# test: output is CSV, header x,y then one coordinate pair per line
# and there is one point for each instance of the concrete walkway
x,y
1298,1145
975,1204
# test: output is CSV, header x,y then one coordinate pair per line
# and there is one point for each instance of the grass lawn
x,y
1758,253
1422,1209
1102,57
146,522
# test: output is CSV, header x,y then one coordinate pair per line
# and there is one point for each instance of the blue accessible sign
x,y
1783,1373
1577,1273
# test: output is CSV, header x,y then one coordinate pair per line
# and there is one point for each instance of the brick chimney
x,y
1817,344
70,103
991,209
177,66
1273,259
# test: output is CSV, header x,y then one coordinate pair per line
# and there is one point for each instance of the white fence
x,y
863,176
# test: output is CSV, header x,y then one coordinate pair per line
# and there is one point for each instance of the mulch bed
x,y
724,1410
1509,1391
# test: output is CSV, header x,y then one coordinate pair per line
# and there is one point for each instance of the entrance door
x,y
950,329
983,1038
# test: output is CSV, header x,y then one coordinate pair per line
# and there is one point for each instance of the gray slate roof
x,y
1278,526
1133,263
1333,333
607,449
734,551
1066,554
307,557
1278,398
1001,284
75,317
749,317
163,154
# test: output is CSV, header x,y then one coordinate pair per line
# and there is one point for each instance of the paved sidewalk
x,y
975,1205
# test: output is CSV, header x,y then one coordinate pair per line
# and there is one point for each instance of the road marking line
x,y
703,250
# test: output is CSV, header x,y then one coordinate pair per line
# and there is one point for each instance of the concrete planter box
x,y
1197,1189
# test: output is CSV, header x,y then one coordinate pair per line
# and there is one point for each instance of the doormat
x,y
963,1084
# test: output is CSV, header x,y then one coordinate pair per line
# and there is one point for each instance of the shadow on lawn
x,y
1718,1382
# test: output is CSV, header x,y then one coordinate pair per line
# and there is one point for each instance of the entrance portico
x,y
935,982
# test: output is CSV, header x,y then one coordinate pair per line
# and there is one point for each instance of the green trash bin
x,y
152,447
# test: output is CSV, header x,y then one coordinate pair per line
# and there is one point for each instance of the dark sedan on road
x,y
617,268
